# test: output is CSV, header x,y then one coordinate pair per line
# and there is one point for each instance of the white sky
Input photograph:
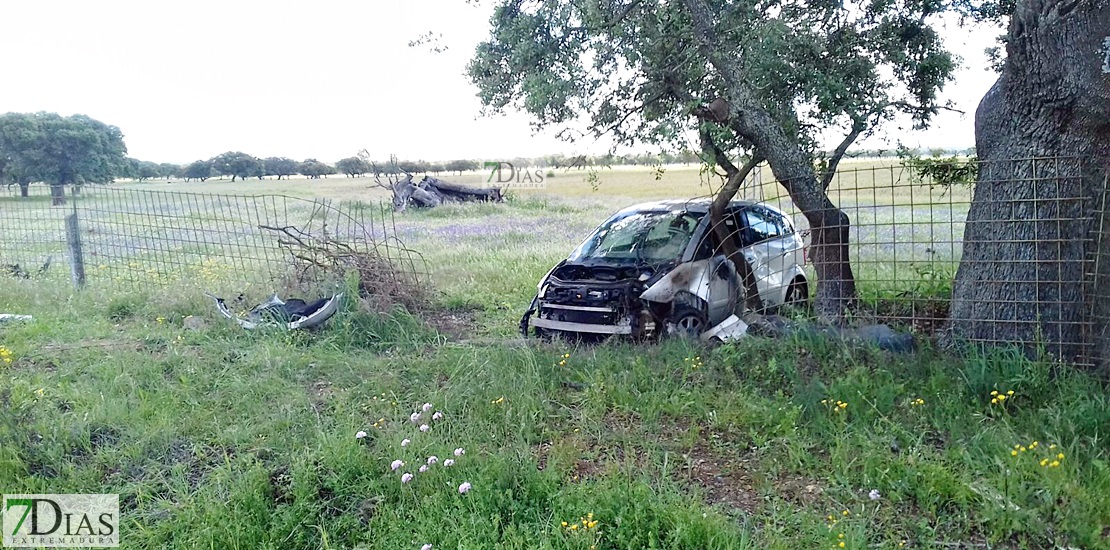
x,y
322,79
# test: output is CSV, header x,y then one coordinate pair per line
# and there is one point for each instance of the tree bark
x,y
829,236
24,189
1043,136
58,195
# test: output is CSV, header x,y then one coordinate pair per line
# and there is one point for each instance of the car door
x,y
766,251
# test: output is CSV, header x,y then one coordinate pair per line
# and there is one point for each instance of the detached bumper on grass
x,y
293,314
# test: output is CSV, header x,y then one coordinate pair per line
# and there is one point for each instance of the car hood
x,y
609,273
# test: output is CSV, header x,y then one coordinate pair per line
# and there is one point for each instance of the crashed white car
x,y
656,268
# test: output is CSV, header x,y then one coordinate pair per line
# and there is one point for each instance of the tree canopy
x,y
314,169
237,164
282,167
765,78
198,170
60,151
353,166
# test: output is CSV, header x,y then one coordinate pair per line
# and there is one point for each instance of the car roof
x,y
698,205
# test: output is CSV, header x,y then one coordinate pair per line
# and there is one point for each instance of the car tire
x,y
797,294
686,321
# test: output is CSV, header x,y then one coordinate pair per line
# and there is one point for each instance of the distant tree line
x,y
75,150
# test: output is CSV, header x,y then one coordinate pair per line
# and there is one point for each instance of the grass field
x,y
215,437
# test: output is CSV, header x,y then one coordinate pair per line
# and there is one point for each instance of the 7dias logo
x,y
60,521
505,172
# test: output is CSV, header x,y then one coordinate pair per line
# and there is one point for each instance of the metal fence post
x,y
73,243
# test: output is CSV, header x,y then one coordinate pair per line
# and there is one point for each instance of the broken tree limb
x,y
454,191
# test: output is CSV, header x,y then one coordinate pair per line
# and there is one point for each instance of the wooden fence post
x,y
73,243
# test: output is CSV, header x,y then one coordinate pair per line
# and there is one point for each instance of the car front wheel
x,y
686,321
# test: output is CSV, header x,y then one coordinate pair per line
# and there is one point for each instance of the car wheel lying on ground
x,y
654,269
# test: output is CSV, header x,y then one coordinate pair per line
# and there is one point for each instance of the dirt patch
x,y
454,324
320,395
724,480
281,483
723,475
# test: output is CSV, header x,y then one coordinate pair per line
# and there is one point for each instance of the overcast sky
x,y
321,79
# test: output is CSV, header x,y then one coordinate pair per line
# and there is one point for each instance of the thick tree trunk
x,y
24,190
57,195
1043,136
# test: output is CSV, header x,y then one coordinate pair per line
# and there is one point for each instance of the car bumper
x,y
565,326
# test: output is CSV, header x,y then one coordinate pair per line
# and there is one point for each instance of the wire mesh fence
x,y
217,243
1026,236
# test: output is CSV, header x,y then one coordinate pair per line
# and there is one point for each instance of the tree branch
x,y
857,128
725,242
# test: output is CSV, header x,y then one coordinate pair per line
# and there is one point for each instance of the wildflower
x,y
1052,446
405,442
1022,448
1044,462
459,451
591,525
423,468
464,488
414,417
994,393
433,459
406,477
498,401
360,434
424,427
874,494
564,524
845,513
840,536
574,527
1013,452
1054,463
448,463
563,363
841,544
437,416
1060,456
566,356
426,547
426,407
994,401
396,464
1010,393
161,320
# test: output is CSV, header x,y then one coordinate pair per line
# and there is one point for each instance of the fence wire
x,y
156,239
1030,253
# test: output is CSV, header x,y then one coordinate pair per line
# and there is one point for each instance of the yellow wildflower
x,y
1060,456
841,544
1054,463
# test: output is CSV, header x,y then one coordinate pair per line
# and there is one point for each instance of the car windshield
x,y
639,237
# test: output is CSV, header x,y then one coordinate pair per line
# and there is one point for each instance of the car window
x,y
762,225
637,237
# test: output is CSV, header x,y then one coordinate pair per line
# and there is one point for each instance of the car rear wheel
x,y
686,321
797,294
